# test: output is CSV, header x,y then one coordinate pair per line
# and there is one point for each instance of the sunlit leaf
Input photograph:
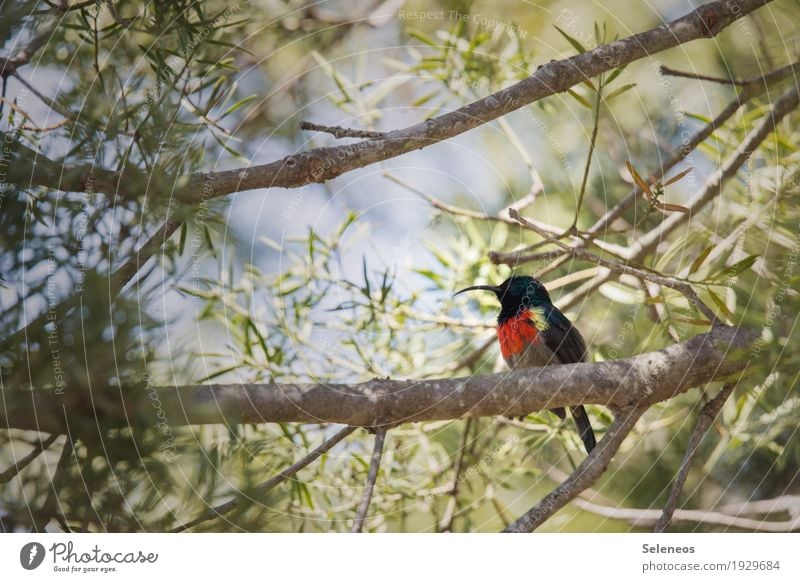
x,y
620,91
678,176
639,181
720,304
571,40
579,99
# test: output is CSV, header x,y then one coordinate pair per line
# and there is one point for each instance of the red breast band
x,y
516,333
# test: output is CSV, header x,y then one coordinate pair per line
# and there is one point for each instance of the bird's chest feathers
x,y
520,339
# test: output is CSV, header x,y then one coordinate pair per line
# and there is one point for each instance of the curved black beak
x,y
494,290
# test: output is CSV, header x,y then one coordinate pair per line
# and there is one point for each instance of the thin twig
x,y
372,476
53,105
786,103
726,515
465,212
592,144
783,504
537,186
446,524
712,188
699,77
229,506
525,201
680,286
647,517
38,449
755,86
9,65
340,132
707,415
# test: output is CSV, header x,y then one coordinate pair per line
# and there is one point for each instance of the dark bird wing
x,y
568,345
563,338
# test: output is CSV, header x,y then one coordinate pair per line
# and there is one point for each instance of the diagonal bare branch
x,y
322,164
753,87
707,416
372,476
38,449
641,273
584,476
712,188
229,506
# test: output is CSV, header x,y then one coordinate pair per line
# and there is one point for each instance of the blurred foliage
x,y
173,88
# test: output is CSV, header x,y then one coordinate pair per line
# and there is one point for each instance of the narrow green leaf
x,y
432,112
614,74
421,36
697,263
182,243
207,235
574,42
237,105
739,267
367,289
697,116
227,148
579,99
619,91
720,304
424,99
218,373
262,342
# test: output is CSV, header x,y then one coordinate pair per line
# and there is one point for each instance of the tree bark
x,y
640,380
322,164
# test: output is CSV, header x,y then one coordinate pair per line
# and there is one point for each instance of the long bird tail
x,y
584,427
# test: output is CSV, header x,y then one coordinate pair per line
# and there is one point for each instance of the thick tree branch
x,y
340,132
321,164
639,380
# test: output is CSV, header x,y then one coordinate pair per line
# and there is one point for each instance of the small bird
x,y
532,332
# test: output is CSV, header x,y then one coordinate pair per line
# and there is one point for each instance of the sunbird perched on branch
x,y
532,332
